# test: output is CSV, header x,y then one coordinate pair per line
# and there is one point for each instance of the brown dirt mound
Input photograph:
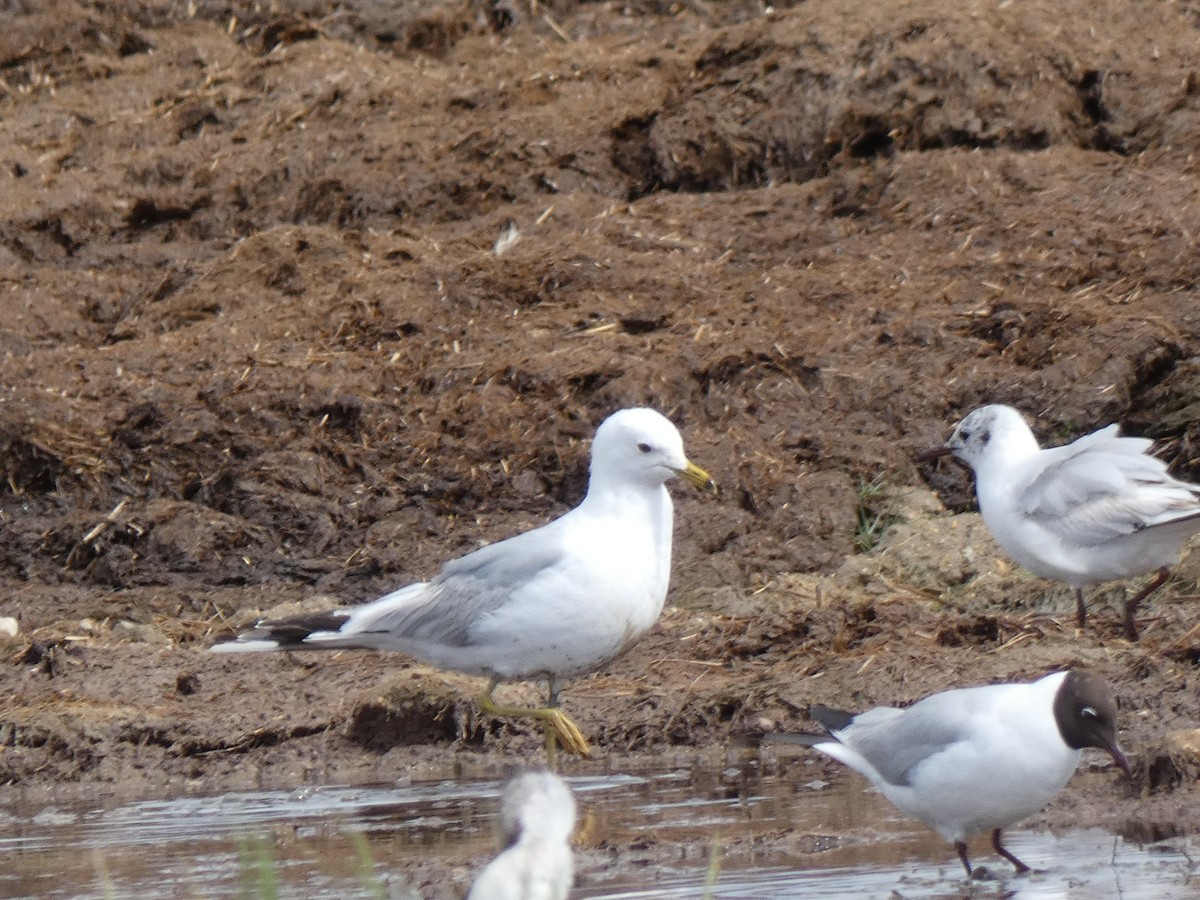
x,y
262,341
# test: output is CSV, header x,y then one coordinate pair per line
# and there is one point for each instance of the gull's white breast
x,y
1011,762
605,592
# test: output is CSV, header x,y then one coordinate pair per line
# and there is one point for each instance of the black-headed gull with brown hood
x,y
1098,509
975,759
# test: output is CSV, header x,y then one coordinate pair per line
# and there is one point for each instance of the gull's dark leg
x,y
999,848
1080,608
961,847
551,736
1131,606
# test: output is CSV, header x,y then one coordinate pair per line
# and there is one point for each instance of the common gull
x,y
556,602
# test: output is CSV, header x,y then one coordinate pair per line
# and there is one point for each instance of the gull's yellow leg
x,y
558,723
551,748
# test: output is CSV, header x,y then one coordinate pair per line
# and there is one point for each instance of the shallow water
x,y
653,834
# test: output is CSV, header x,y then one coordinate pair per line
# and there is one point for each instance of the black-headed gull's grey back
x,y
975,759
1098,509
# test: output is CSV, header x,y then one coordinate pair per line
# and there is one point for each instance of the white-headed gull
x,y
1098,509
537,816
555,602
975,759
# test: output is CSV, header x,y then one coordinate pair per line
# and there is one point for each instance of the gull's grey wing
x,y
1103,486
444,610
896,741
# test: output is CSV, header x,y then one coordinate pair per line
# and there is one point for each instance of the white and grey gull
x,y
537,816
552,603
977,759
1098,509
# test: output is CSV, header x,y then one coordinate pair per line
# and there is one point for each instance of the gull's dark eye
x,y
643,447
1088,713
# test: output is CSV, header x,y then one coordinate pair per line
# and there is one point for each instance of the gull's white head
x,y
990,430
537,806
642,446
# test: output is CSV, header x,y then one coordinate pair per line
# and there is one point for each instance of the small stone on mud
x,y
8,626
528,483
765,724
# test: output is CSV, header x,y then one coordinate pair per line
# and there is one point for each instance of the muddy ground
x,y
263,344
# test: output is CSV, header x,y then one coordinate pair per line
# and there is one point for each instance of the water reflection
x,y
651,834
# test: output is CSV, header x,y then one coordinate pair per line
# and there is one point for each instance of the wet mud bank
x,y
299,302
